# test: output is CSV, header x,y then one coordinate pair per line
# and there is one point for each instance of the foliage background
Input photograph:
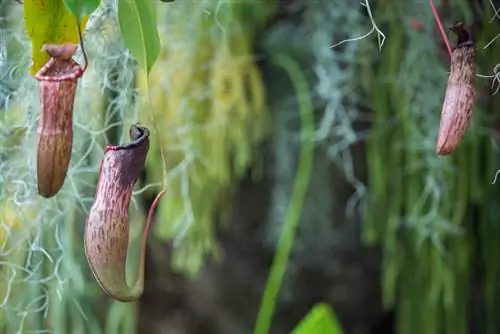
x,y
394,237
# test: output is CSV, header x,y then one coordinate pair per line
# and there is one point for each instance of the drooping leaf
x,y
82,8
320,319
138,27
49,21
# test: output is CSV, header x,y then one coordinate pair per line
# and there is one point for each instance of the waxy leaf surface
x,y
49,21
82,8
320,319
138,27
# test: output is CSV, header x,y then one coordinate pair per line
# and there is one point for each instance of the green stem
x,y
301,183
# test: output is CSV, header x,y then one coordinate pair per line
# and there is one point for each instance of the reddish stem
x,y
440,26
147,229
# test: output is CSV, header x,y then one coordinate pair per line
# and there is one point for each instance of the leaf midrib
x,y
143,44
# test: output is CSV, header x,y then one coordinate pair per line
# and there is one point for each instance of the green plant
x,y
284,247
320,319
106,102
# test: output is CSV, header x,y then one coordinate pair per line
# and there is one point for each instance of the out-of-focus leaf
x,y
320,320
48,21
138,26
12,137
13,217
81,8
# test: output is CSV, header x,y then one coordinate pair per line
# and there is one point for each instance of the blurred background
x,y
315,117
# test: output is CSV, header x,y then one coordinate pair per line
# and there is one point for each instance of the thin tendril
x,y
164,160
440,26
81,45
145,235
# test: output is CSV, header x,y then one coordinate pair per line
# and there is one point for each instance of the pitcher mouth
x,y
59,70
464,37
61,65
138,135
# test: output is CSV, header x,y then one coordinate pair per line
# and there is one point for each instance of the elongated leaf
x,y
81,8
321,319
48,21
138,27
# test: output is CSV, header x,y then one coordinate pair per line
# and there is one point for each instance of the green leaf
x,y
82,8
138,27
48,21
320,319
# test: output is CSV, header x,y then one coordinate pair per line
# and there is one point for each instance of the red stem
x,y
147,229
440,26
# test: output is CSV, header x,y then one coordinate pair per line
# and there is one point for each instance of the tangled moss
x,y
421,205
209,101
